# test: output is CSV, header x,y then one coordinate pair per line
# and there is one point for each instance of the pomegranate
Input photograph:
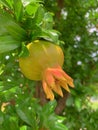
x,y
45,63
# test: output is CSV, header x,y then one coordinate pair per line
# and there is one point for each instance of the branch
x,y
39,93
60,6
61,103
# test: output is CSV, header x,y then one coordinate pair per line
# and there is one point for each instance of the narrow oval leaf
x,y
16,31
23,116
7,43
18,8
9,26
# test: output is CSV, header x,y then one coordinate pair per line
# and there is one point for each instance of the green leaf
x,y
48,21
7,43
16,32
24,116
14,6
32,8
37,32
60,119
7,3
24,52
9,26
59,127
26,2
50,35
27,113
39,15
49,119
18,9
23,128
49,107
10,122
78,103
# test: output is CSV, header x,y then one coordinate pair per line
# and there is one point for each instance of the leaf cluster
x,y
24,21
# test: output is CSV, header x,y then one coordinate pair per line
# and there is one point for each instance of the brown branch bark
x,y
61,102
39,93
60,6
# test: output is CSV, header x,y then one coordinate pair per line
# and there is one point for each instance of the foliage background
x,y
73,24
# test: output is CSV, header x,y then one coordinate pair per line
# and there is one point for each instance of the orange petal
x,y
69,80
57,89
71,84
48,91
57,74
64,85
49,79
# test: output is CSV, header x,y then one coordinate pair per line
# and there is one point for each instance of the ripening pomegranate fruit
x,y
45,63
